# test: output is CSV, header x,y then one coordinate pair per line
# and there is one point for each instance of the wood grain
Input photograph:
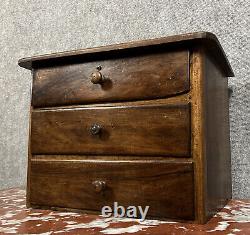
x,y
166,187
147,76
162,128
198,132
210,134
149,129
207,39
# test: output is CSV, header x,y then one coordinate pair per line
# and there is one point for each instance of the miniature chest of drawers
x,y
143,123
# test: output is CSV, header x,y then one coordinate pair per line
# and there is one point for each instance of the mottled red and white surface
x,y
16,218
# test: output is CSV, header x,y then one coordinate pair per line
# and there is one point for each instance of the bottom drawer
x,y
167,187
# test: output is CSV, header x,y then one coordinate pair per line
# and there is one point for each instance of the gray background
x,y
37,27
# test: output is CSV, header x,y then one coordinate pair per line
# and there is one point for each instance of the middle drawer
x,y
122,130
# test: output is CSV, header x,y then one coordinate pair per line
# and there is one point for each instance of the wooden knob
x,y
99,185
95,129
96,77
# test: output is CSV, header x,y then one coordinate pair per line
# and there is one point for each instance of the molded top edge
x,y
209,39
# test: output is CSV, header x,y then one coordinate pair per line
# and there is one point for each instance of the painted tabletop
x,y
16,218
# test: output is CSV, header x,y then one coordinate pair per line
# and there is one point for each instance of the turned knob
x,y
95,129
96,77
99,185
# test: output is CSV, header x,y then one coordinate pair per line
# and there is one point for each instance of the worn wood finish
x,y
145,129
210,134
156,141
179,99
29,162
207,39
166,187
198,133
127,78
217,141
118,158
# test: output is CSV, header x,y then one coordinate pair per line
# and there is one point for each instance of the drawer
x,y
147,76
122,130
167,187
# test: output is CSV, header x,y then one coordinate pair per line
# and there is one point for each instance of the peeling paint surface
x,y
16,218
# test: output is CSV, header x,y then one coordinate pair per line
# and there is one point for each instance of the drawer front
x,y
122,130
130,78
166,187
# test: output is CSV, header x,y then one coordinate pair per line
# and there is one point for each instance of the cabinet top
x,y
206,39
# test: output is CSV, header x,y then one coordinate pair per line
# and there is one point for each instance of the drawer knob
x,y
99,185
96,77
95,129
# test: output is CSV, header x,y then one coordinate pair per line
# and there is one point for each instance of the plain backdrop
x,y
37,27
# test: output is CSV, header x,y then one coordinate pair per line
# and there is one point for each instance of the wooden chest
x,y
141,123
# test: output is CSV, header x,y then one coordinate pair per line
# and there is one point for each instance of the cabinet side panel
x,y
217,143
29,148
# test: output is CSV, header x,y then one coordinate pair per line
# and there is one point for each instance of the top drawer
x,y
147,76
